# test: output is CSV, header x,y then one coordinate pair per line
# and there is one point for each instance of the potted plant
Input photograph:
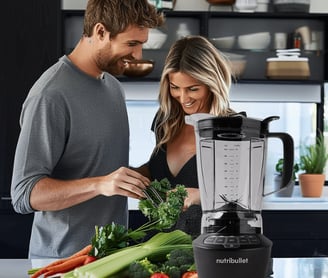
x,y
313,162
287,191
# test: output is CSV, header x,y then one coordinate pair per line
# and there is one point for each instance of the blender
x,y
231,162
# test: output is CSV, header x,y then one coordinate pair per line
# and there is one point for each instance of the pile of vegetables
x,y
161,216
114,248
155,249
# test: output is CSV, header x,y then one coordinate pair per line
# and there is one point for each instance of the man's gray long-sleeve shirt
x,y
72,126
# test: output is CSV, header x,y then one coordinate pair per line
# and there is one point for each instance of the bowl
x,y
291,5
245,5
224,42
259,40
156,39
138,68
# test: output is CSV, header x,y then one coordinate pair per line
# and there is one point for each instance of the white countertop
x,y
296,202
282,267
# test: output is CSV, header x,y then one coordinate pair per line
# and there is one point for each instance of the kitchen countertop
x,y
296,201
282,267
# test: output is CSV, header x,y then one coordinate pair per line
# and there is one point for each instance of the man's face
x,y
117,51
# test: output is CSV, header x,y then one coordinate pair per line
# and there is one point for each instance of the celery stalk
x,y
156,247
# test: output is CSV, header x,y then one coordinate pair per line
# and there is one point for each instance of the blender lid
x,y
232,127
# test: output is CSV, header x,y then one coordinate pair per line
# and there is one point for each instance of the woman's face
x,y
193,96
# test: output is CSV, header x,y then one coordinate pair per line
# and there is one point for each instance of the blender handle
x,y
288,156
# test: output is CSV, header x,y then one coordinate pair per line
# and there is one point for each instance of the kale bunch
x,y
164,214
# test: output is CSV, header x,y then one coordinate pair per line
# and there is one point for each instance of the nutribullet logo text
x,y
232,261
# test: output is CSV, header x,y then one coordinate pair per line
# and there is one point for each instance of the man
x,y
71,159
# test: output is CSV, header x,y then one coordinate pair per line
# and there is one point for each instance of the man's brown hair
x,y
117,15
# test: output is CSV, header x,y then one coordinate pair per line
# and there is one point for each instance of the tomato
x,y
190,274
89,259
159,275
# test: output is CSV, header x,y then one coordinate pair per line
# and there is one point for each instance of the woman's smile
x,y
193,96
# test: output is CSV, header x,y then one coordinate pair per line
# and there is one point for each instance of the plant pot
x,y
311,184
287,191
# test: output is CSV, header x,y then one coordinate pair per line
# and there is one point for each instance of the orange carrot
x,y
44,269
66,266
83,251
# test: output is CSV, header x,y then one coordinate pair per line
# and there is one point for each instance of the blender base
x,y
236,262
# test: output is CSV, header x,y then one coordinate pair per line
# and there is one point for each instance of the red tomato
x,y
159,275
190,274
89,259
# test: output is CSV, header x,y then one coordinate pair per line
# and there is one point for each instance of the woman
x,y
196,79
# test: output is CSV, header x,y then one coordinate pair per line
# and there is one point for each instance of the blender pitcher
x,y
231,162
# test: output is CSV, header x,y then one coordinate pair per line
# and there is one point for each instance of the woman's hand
x,y
193,197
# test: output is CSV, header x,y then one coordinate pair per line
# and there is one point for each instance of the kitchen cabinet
x,y
301,233
297,226
239,24
222,24
30,44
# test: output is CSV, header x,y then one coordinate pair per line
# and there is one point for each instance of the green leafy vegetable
x,y
108,239
163,215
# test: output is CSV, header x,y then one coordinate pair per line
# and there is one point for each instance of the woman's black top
x,y
190,220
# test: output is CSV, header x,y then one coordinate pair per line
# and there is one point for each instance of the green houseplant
x,y
313,162
288,191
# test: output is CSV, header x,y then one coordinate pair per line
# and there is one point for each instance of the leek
x,y
156,247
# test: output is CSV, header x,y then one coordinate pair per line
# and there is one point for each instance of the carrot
x,y
42,270
83,251
66,266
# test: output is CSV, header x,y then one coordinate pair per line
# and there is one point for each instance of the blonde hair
x,y
198,58
117,15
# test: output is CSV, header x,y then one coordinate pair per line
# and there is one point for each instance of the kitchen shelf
x,y
218,24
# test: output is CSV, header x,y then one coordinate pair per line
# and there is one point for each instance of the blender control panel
x,y
232,241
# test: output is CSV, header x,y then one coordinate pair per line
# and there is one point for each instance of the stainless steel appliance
x,y
231,162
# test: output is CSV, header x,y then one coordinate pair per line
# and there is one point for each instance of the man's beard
x,y
111,67
114,66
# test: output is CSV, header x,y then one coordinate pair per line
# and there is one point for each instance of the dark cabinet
x,y
297,233
230,24
263,27
30,44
